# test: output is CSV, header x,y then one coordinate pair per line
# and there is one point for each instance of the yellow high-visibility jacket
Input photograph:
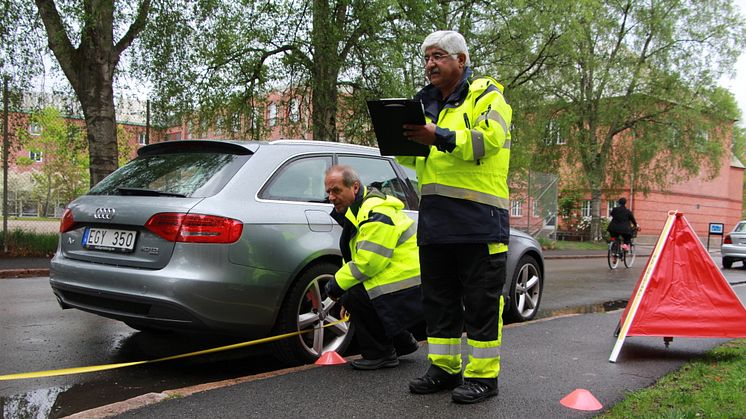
x,y
471,157
384,254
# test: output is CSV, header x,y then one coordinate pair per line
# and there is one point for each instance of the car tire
x,y
727,262
306,307
526,288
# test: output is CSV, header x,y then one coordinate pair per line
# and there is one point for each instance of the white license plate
x,y
109,239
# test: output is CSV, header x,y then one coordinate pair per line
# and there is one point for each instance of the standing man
x,y
379,282
463,222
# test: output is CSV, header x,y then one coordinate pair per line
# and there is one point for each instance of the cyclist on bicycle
x,y
623,223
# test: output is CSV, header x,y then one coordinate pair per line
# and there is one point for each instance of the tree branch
x,y
57,37
536,65
135,28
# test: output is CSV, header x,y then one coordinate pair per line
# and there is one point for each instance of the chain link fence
x,y
31,217
534,204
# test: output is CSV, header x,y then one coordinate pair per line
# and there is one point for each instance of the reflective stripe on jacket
x,y
385,258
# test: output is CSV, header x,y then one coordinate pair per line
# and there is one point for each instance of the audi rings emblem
x,y
104,213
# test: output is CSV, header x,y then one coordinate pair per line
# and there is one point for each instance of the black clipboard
x,y
388,116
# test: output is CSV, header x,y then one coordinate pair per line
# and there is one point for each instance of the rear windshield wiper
x,y
146,192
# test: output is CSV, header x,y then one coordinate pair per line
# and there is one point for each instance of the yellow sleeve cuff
x,y
497,248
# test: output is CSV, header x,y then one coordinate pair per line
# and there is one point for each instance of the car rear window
x,y
188,174
740,227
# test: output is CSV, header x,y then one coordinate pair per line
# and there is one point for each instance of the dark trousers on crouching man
x,y
380,326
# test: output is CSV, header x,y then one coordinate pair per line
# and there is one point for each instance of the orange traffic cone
x,y
330,358
581,399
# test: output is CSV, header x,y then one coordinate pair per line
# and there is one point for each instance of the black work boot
x,y
475,390
434,380
405,345
388,361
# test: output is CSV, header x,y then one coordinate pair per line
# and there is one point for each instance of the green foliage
x,y
322,50
124,149
63,169
546,243
586,72
20,42
569,202
631,89
317,50
579,245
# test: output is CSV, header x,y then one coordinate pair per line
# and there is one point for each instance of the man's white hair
x,y
450,41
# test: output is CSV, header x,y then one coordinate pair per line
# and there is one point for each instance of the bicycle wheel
x,y
629,257
612,256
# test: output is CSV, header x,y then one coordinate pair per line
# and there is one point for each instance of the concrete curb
x,y
124,406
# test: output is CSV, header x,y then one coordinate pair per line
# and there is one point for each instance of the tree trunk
x,y
325,70
101,133
90,70
324,118
596,233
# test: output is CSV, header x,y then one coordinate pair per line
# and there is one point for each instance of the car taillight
x,y
195,228
727,239
68,222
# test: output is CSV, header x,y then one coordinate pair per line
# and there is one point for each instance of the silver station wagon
x,y
234,238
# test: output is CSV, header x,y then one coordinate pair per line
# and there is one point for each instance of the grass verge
x,y
713,386
547,244
24,243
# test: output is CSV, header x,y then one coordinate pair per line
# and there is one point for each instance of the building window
x,y
586,209
255,122
673,137
142,139
554,136
35,156
515,208
272,114
610,205
34,129
219,126
294,110
204,126
535,210
235,122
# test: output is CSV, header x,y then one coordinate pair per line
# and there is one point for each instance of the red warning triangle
x,y
686,295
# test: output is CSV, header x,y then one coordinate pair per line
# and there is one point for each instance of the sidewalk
x,y
21,267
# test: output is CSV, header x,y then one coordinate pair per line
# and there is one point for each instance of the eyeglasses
x,y
437,57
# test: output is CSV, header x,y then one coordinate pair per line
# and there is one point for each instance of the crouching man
x,y
379,284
